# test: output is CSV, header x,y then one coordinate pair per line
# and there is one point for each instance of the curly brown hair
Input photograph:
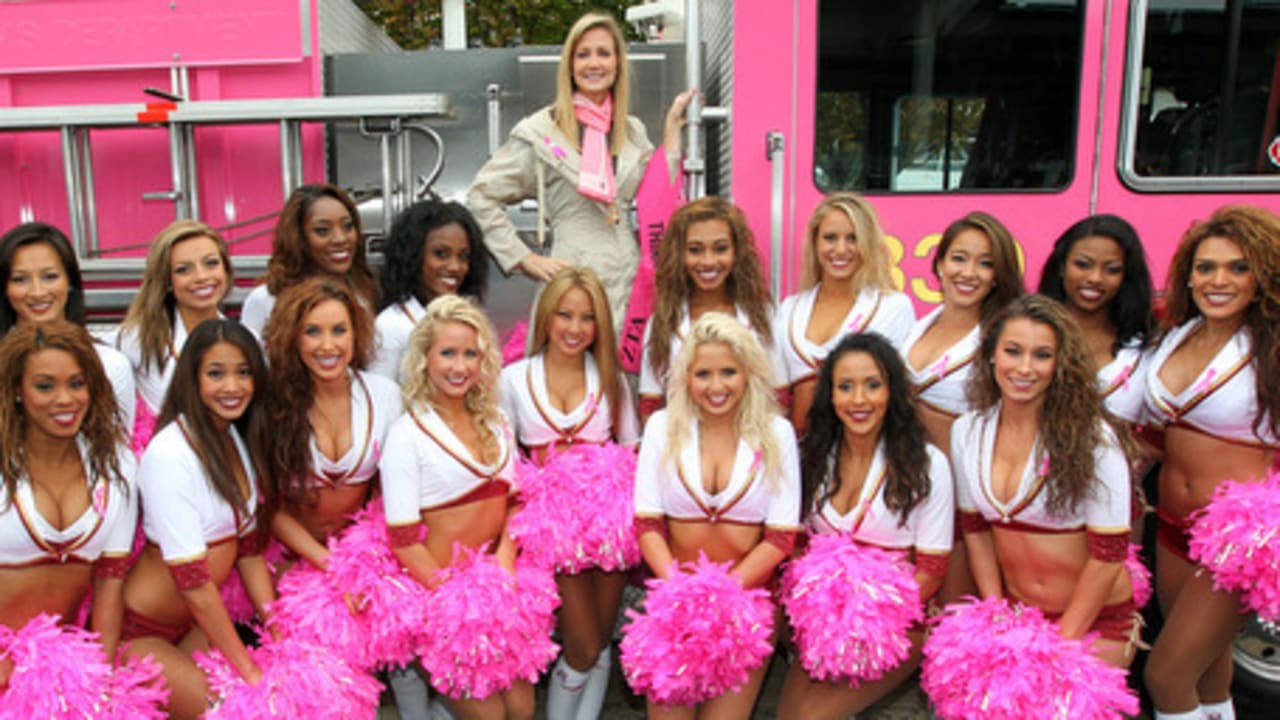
x,y
746,283
291,259
292,389
1072,418
1257,232
102,427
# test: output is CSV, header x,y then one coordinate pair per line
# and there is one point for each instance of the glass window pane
x,y
1209,94
946,95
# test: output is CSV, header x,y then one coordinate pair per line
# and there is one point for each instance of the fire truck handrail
x,y
230,112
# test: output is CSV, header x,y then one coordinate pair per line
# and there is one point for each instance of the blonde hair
x,y
605,346
755,412
150,315
873,262
562,109
482,399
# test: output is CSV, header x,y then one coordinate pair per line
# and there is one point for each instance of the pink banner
x,y
656,199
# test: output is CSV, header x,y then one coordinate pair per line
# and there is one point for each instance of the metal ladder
x,y
388,120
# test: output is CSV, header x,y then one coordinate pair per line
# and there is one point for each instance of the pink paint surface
x,y
81,52
775,56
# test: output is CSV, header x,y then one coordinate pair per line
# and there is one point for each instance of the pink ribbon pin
x,y
556,150
1207,383
940,368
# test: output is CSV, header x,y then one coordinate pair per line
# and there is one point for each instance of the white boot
x,y
597,685
1224,710
1190,715
411,694
564,692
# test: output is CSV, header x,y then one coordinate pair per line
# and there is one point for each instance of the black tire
x,y
1257,656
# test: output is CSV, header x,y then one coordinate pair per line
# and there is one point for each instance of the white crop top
x,y
674,490
182,513
930,524
943,384
651,385
425,467
1221,403
537,422
104,529
796,358
1123,383
375,404
392,327
1104,512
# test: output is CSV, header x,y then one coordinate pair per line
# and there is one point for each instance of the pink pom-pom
x,y
144,426
312,610
513,348
392,605
1237,537
850,607
578,510
700,635
389,605
1139,576
61,671
235,598
136,690
992,660
486,628
299,680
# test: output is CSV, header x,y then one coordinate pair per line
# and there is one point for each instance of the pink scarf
x,y
595,168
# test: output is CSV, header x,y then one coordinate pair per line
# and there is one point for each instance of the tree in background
x,y
490,23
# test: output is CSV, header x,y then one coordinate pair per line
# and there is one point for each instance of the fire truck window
x,y
1209,88
946,95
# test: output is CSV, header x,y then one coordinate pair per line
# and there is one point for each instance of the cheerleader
x,y
328,417
42,283
187,276
848,289
571,391
448,466
868,473
199,481
318,233
1099,271
68,506
428,254
1211,385
1042,483
718,474
707,262
976,264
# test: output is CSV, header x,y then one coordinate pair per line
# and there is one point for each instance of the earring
x,y
1188,282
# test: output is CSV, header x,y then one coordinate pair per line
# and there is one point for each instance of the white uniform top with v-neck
x,y
1105,510
929,526
538,422
675,490
1221,402
943,384
425,466
797,358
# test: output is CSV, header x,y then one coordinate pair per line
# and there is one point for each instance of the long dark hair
x,y
1257,232
183,400
291,259
907,481
293,390
1004,257
33,233
1130,309
102,428
1072,417
403,248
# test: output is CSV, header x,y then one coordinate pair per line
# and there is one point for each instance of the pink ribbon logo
x,y
1205,385
556,150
